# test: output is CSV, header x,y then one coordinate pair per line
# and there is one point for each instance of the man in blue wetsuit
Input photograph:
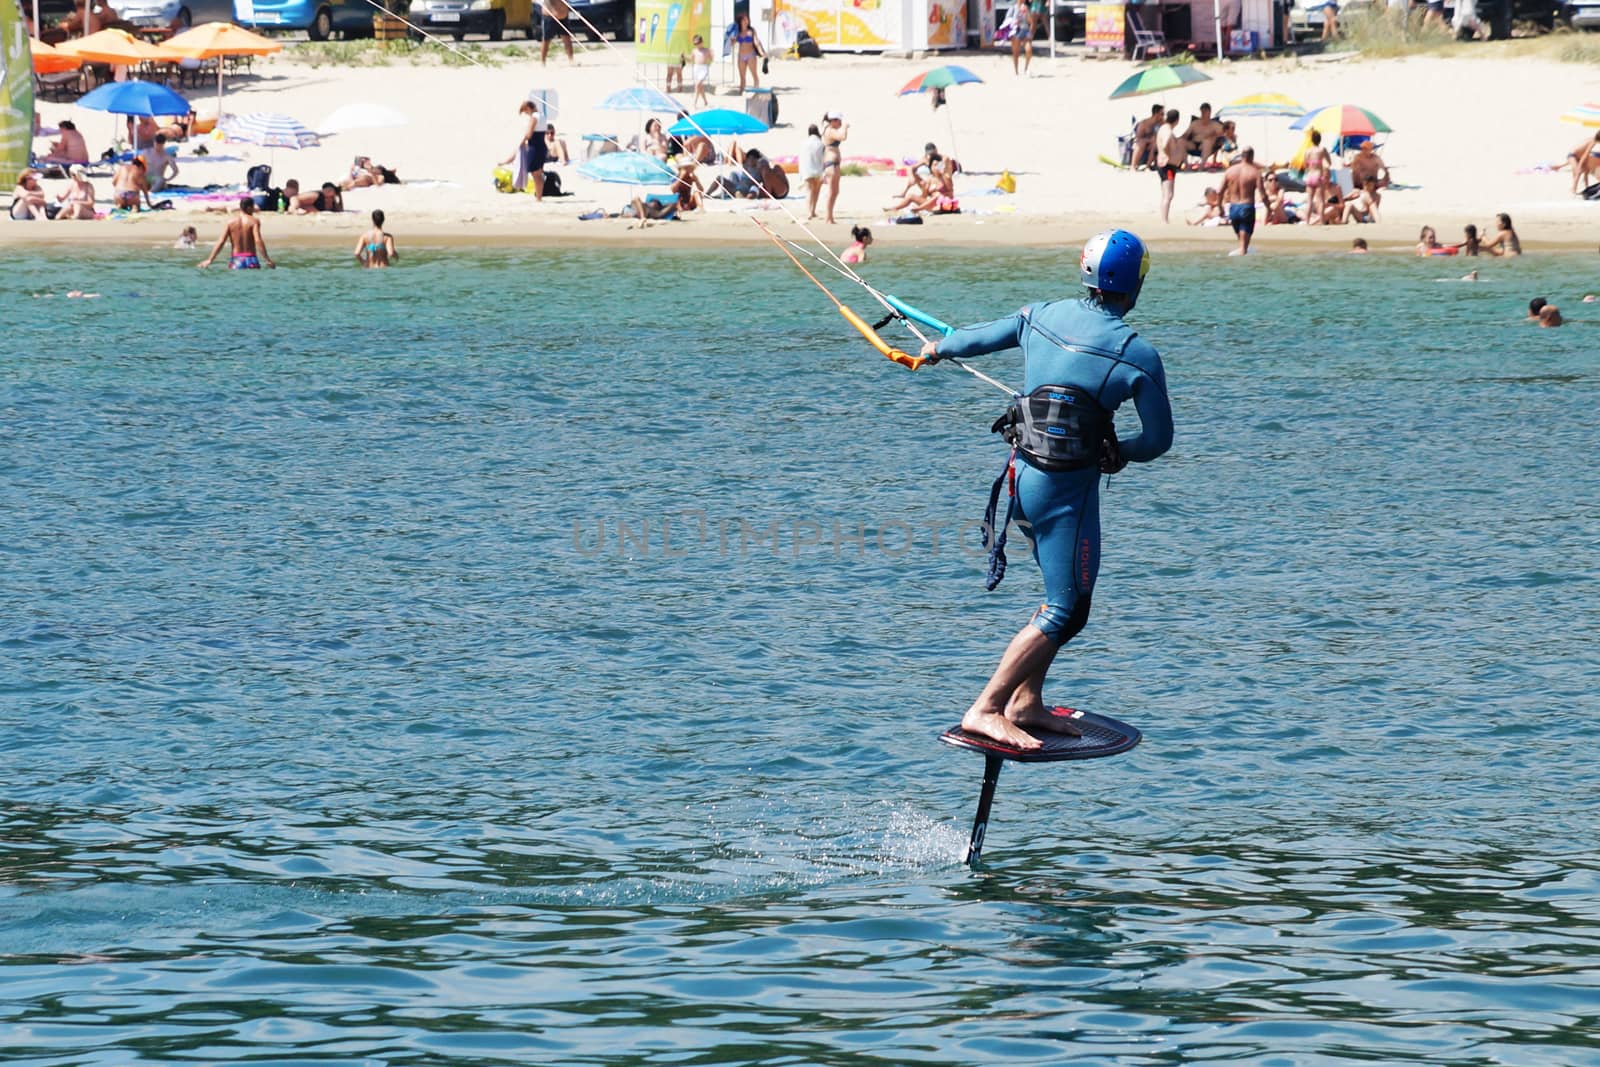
x,y
1083,361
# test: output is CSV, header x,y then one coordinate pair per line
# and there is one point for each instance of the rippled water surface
x,y
536,657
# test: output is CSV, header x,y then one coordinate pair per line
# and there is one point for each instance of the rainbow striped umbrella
x,y
1584,115
939,78
1341,120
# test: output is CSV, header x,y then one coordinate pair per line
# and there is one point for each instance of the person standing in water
x,y
376,246
243,234
860,241
1082,362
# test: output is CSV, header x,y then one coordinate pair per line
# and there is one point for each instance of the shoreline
x,y
736,231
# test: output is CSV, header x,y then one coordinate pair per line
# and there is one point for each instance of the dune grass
x,y
1381,33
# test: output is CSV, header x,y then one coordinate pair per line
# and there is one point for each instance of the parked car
x,y
1581,14
180,14
461,17
606,16
320,19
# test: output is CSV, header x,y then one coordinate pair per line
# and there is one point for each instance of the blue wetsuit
x,y
1111,363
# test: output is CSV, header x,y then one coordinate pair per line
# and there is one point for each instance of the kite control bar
x,y
904,359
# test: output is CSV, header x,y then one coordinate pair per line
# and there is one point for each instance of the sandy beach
x,y
1465,148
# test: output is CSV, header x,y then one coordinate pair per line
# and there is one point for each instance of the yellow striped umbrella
x,y
1584,115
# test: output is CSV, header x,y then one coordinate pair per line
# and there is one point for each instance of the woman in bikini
x,y
1317,167
834,133
376,246
655,140
1505,241
78,201
749,50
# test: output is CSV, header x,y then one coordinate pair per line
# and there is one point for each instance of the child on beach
x,y
700,71
811,168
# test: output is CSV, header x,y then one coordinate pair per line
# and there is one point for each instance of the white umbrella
x,y
363,116
268,129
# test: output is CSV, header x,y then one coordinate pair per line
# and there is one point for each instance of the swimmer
x,y
1470,276
1535,306
1549,315
857,252
188,238
1082,348
376,246
1589,298
1358,247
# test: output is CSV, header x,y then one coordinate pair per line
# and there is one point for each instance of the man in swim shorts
x,y
1081,353
553,16
1171,151
1241,186
243,234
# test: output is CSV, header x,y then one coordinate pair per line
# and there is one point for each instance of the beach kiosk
x,y
881,25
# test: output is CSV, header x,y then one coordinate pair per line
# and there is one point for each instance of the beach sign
x,y
666,29
16,93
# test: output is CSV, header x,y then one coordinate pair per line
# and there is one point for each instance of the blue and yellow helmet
x,y
1115,261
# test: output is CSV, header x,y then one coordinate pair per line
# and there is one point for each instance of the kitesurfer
x,y
1082,362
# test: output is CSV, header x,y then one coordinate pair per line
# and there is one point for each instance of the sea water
x,y
536,657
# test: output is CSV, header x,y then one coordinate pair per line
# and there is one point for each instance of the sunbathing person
x,y
922,188
655,140
69,147
1367,164
77,201
326,199
128,184
556,147
690,193
1363,204
1585,160
1144,138
27,199
362,174
1213,210
1332,211
1279,211
1204,136
144,130
176,127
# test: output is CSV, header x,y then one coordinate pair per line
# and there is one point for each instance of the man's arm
x,y
1155,418
261,242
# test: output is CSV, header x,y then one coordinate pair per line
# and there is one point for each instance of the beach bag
x,y
806,47
1007,182
552,184
1592,192
258,179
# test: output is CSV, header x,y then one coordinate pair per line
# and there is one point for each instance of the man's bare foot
x,y
1039,717
997,727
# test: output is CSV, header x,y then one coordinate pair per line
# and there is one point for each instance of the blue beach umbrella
x,y
135,98
627,168
718,122
640,98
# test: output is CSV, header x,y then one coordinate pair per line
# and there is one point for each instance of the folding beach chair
x,y
1146,43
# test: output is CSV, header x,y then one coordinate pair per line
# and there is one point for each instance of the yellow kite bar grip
x,y
902,358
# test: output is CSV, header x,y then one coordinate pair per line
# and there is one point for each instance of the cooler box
x,y
762,104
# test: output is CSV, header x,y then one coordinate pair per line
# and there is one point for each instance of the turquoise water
x,y
353,709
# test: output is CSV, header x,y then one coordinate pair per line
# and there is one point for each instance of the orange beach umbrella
x,y
46,60
216,40
117,47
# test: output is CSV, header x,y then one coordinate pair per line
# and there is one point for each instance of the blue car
x,y
319,18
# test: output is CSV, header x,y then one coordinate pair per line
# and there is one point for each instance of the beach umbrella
x,y
268,129
116,47
628,168
1263,106
134,97
218,40
640,98
363,116
46,60
939,78
717,122
1584,115
1341,121
1159,80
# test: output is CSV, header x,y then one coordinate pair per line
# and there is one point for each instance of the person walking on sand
x,y
1019,27
1241,187
834,133
1170,152
1082,361
376,246
243,234
700,71
553,16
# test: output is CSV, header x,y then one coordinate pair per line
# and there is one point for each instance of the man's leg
x,y
1029,653
1168,187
